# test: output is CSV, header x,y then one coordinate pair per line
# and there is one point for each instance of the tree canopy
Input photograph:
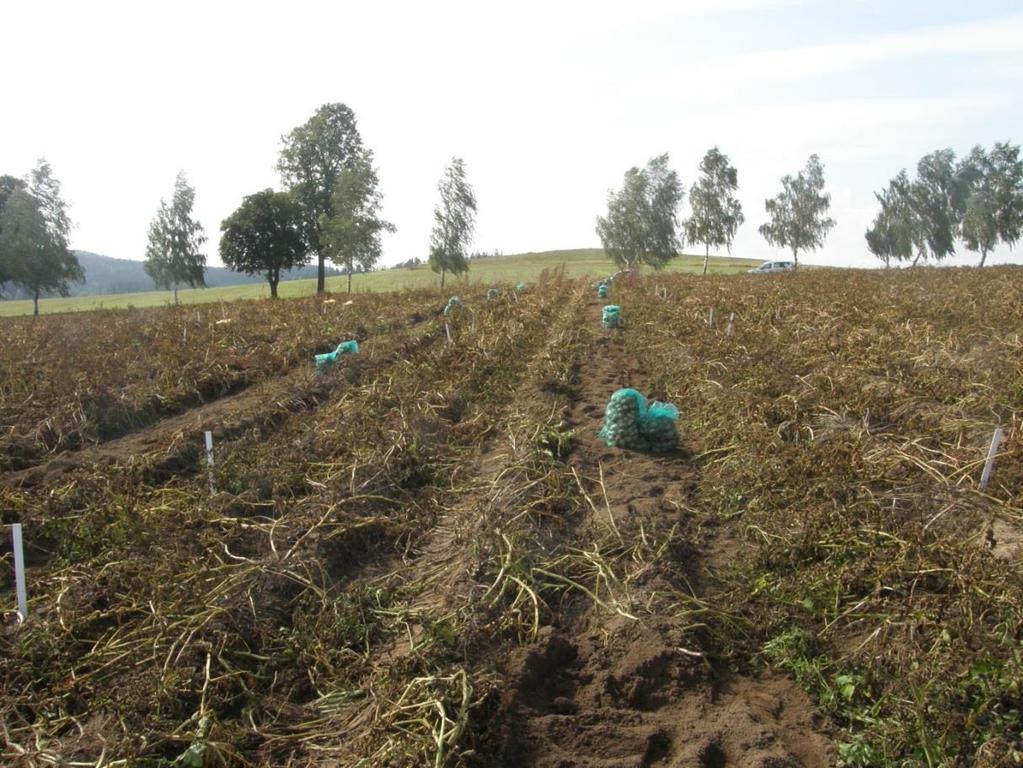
x,y
890,236
799,219
993,211
978,200
454,219
351,235
642,224
717,212
264,235
8,185
312,158
173,258
33,256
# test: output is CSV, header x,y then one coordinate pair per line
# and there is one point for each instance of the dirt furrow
x,y
607,689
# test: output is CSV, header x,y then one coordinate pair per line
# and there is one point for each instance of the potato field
x,y
426,556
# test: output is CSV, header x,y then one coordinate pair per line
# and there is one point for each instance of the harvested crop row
x,y
216,619
435,646
69,381
839,426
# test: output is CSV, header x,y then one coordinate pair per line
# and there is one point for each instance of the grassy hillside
x,y
524,267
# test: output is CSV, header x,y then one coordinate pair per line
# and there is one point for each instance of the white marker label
x,y
996,440
209,456
19,570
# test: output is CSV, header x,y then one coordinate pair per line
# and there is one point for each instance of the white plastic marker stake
x,y
19,570
710,320
731,321
996,440
447,330
209,457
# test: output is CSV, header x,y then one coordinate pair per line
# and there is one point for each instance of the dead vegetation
x,y
439,564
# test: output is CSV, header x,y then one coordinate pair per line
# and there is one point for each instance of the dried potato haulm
x,y
629,422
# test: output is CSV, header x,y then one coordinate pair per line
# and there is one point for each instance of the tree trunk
x,y
349,279
706,257
35,304
915,260
795,260
442,278
321,276
274,279
983,257
175,294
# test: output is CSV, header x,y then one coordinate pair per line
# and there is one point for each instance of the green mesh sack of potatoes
x,y
629,422
602,290
611,316
493,293
325,361
453,305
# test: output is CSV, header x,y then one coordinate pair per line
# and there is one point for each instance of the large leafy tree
x,y
454,220
8,185
799,213
993,210
35,257
173,257
939,195
264,235
890,236
46,190
642,224
351,235
717,212
312,158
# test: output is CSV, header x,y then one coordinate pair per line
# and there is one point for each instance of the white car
x,y
772,266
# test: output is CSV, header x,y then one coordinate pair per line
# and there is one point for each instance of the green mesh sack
x,y
329,359
602,290
611,316
453,305
659,427
520,287
629,422
493,293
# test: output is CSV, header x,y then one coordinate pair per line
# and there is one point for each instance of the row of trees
x,y
642,224
977,200
330,207
34,228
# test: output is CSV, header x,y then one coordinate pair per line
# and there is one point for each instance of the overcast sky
x,y
548,102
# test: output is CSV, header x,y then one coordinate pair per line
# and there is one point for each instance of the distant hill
x,y
106,275
500,270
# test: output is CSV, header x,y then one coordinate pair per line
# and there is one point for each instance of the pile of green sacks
x,y
630,422
329,359
611,316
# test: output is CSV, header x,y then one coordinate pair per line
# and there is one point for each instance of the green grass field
x,y
524,267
